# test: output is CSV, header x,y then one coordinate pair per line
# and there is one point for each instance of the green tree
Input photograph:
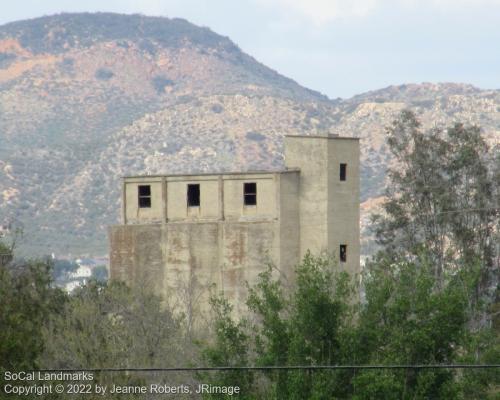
x,y
109,325
230,349
27,299
444,196
6,254
443,200
411,318
310,324
408,317
100,273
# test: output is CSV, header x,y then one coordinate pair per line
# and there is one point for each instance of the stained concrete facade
x,y
183,250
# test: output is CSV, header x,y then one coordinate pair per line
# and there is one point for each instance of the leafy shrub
x,y
100,273
147,46
217,108
104,74
160,83
6,59
66,64
258,137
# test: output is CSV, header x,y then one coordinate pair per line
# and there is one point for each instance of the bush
x,y
104,74
160,83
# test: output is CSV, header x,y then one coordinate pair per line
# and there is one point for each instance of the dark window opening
x,y
343,172
343,253
250,194
193,195
144,195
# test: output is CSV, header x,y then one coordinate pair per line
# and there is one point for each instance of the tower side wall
x,y
329,206
343,204
289,224
311,156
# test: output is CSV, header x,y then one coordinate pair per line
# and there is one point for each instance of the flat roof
x,y
257,172
326,136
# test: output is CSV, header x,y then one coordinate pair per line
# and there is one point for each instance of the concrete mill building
x,y
185,234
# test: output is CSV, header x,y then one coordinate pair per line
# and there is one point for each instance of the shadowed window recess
x,y
343,253
144,196
343,172
193,195
250,194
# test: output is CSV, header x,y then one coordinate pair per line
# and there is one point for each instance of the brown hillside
x,y
87,98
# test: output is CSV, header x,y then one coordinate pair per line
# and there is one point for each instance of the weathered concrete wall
x,y
176,190
311,156
190,264
247,249
343,204
266,206
289,186
133,246
184,261
329,207
132,212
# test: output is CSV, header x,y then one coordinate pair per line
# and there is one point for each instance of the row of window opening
x,y
193,195
193,192
193,200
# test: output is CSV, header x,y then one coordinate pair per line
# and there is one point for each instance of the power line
x,y
464,210
279,367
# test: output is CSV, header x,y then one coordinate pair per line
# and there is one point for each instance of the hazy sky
x,y
338,47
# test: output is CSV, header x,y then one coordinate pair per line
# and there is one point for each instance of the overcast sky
x,y
338,47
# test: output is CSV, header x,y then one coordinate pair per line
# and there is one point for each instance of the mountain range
x,y
88,98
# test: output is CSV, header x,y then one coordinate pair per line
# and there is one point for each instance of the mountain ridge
x,y
89,109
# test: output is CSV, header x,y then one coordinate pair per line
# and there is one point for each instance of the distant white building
x,y
4,230
72,285
83,271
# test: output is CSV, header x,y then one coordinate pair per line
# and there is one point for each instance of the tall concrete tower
x,y
329,195
185,235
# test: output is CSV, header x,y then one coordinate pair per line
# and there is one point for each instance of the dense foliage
x,y
407,318
443,196
428,294
26,301
100,325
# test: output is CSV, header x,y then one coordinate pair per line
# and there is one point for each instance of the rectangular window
x,y
193,195
250,194
343,253
343,172
144,196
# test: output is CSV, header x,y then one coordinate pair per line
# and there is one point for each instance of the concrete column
x,y
221,198
124,204
164,194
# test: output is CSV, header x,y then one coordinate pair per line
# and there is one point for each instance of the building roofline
x,y
257,172
329,136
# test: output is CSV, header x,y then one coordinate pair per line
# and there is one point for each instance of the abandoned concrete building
x,y
187,234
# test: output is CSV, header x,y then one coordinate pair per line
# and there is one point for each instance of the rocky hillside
x,y
87,98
